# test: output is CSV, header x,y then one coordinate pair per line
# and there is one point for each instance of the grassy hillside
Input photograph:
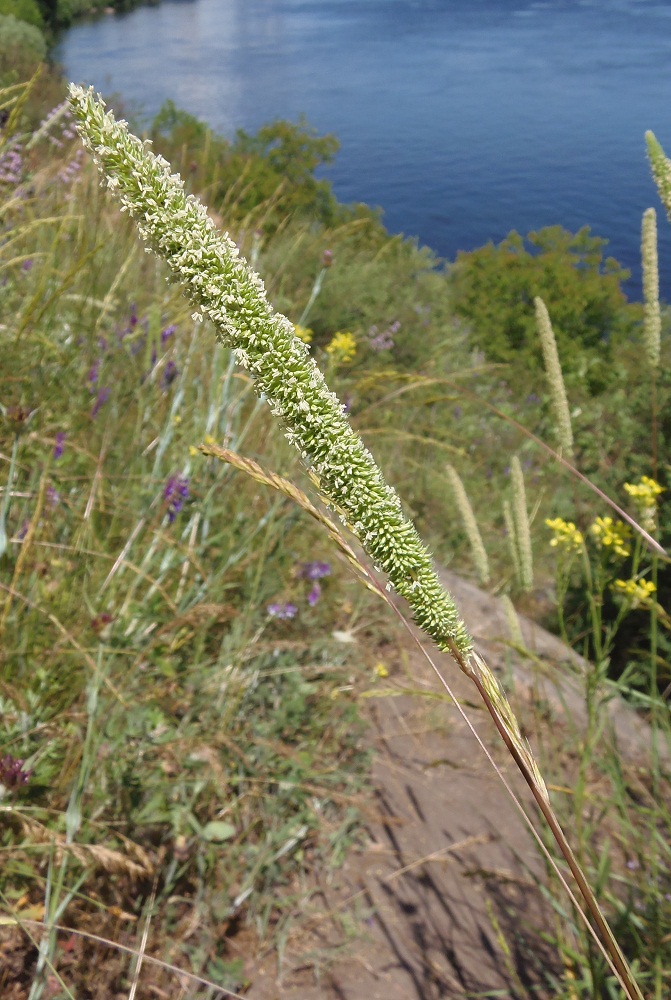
x,y
177,678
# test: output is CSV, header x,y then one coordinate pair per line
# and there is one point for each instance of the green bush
x,y
20,43
22,10
275,167
64,12
494,289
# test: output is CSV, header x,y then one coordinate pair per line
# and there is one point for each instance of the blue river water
x,y
461,119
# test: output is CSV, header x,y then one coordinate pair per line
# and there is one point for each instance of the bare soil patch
x,y
444,899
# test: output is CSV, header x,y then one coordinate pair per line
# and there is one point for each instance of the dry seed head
x,y
555,378
497,699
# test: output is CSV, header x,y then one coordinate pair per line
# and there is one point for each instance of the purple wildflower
x,y
101,399
53,496
315,594
24,529
59,446
327,258
176,491
27,265
383,340
138,345
282,611
167,333
92,375
11,165
12,773
71,169
170,373
315,570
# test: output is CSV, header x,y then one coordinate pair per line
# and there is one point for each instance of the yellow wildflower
x,y
193,450
303,333
644,494
209,439
635,591
342,347
610,534
566,535
381,670
177,419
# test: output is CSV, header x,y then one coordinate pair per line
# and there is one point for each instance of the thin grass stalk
x,y
615,954
4,510
176,227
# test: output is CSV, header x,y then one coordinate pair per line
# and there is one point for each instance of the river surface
x,y
461,119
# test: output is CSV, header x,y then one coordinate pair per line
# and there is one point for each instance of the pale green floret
x,y
521,521
555,379
223,288
470,524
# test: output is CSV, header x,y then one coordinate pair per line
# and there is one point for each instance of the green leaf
x,y
217,831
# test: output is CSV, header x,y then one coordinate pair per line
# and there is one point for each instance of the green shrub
x,y
64,12
20,43
275,167
494,289
22,10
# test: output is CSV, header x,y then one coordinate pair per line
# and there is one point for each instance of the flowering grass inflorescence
x,y
555,379
222,287
652,323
